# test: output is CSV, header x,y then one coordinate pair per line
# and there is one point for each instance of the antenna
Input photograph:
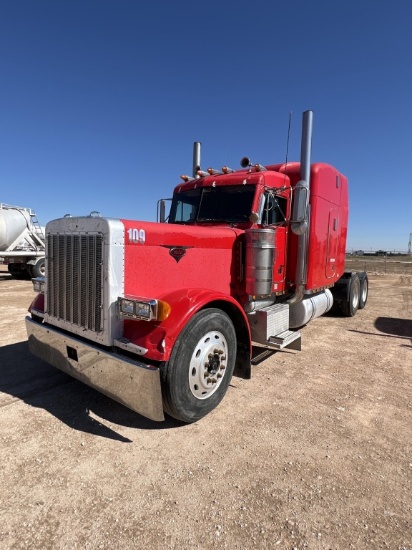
x,y
288,138
287,145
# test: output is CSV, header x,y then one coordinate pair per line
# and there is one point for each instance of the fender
x,y
37,305
159,338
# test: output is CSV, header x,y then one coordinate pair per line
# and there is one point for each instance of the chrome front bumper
x,y
131,383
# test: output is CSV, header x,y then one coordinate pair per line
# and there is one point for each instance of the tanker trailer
x,y
22,245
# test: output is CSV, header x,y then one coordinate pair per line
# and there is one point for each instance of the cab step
x,y
287,339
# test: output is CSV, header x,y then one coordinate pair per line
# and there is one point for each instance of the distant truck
x,y
358,253
159,316
22,243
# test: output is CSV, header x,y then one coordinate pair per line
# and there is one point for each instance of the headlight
x,y
143,309
126,306
39,284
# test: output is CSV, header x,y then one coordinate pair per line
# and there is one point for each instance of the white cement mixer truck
x,y
22,245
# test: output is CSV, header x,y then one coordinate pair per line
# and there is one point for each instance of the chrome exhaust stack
x,y
197,146
300,214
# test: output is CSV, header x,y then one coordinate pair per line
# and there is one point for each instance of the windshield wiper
x,y
214,220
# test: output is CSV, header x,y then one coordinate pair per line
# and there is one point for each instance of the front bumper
x,y
131,383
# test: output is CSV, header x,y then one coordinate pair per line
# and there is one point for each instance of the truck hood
x,y
162,258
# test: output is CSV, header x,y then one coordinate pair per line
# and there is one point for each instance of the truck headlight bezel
x,y
142,309
39,284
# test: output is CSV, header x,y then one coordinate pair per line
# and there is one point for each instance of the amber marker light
x,y
163,310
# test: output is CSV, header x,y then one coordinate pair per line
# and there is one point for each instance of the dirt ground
x,y
314,452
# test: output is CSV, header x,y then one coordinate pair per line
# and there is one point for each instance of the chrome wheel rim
x,y
364,291
208,365
355,297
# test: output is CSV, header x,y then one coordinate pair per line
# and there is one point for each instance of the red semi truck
x,y
159,316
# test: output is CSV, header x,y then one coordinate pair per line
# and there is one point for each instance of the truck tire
x,y
196,378
39,268
350,306
18,271
364,290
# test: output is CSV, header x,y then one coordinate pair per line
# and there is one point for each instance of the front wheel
x,y
196,378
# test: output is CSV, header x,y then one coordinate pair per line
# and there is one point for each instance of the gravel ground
x,y
314,452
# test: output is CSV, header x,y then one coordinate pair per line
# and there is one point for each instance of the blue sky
x,y
101,101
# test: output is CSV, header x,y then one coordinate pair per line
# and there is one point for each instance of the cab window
x,y
274,209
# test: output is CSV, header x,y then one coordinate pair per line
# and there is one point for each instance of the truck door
x,y
274,216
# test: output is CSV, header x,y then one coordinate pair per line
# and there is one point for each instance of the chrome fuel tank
x,y
309,308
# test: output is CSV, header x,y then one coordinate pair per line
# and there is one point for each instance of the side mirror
x,y
300,206
161,211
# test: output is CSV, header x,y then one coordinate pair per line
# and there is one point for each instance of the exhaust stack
x,y
300,214
196,158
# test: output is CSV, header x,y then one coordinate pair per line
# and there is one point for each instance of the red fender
x,y
159,337
37,305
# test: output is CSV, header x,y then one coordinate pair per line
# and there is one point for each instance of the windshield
x,y
231,204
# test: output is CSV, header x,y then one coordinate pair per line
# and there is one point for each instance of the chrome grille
x,y
74,279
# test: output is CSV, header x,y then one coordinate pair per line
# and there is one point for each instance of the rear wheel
x,y
199,371
351,305
18,271
364,290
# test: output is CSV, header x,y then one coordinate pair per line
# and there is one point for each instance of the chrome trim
x,y
134,384
126,344
37,312
40,282
84,276
152,303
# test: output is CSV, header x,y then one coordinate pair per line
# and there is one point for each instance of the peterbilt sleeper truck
x,y
159,316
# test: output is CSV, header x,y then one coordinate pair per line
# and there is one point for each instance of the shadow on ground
x,y
394,326
27,378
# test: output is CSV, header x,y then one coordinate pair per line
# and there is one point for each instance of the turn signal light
x,y
163,310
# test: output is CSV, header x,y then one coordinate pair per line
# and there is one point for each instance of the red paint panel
x,y
279,266
37,303
328,200
328,226
153,266
159,338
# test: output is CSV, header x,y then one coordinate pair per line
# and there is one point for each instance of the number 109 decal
x,y
137,236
